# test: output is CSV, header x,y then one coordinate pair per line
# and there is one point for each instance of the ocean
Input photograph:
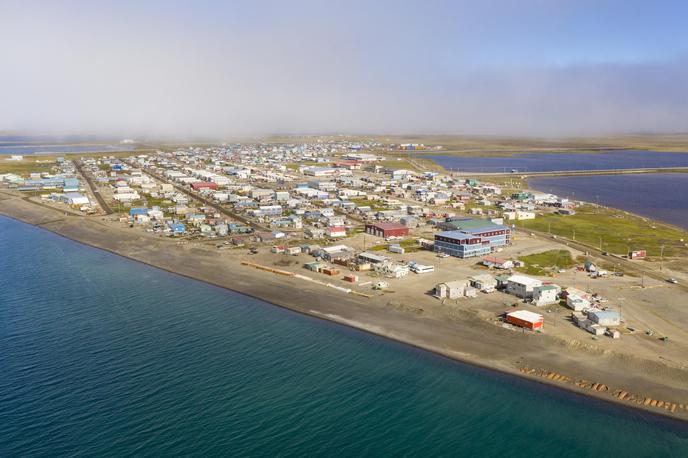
x,y
102,356
548,162
660,196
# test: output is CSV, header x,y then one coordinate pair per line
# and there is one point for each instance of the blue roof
x,y
456,235
138,211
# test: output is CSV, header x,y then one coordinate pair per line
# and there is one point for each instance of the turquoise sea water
x,y
101,356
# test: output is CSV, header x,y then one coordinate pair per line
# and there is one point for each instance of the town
x,y
342,215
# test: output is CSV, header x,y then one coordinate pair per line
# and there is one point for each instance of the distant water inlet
x,y
101,356
660,196
553,162
25,149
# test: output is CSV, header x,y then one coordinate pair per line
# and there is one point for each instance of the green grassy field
x,y
25,167
45,162
541,263
613,230
409,246
375,205
470,145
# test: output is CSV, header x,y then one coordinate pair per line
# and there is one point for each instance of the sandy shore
x,y
654,386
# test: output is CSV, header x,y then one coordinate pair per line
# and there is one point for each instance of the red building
x,y
639,254
203,185
387,230
526,319
351,165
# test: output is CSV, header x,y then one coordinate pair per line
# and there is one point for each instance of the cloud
x,y
133,71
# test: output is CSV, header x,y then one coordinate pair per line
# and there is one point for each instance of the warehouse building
x,y
203,185
605,317
387,230
74,198
525,319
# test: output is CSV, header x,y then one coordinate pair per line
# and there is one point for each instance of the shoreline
x,y
628,212
379,326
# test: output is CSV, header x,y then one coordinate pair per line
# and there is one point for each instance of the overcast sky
x,y
215,69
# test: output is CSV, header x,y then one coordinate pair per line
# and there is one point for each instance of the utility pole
x,y
661,257
597,202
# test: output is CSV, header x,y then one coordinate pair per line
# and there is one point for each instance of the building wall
x,y
379,232
462,250
546,296
519,290
523,323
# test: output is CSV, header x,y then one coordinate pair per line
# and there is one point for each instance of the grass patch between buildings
x,y
613,230
542,263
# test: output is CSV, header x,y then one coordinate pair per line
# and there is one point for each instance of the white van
x,y
420,269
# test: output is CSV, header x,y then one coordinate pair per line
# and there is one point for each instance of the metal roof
x,y
526,315
456,235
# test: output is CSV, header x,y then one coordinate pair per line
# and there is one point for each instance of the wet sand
x,y
654,386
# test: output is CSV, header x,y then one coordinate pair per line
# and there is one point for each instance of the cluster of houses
x,y
326,188
359,261
322,193
61,185
587,312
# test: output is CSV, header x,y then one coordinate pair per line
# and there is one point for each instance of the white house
x,y
483,282
451,289
577,303
521,286
545,295
335,231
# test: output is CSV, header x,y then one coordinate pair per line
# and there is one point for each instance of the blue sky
x,y
201,68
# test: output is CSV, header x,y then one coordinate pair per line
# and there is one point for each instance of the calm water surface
x,y
661,196
548,162
30,148
101,356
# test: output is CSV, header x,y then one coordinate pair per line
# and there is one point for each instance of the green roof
x,y
469,223
545,287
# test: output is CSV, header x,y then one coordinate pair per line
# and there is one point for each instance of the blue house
x,y
177,228
138,211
